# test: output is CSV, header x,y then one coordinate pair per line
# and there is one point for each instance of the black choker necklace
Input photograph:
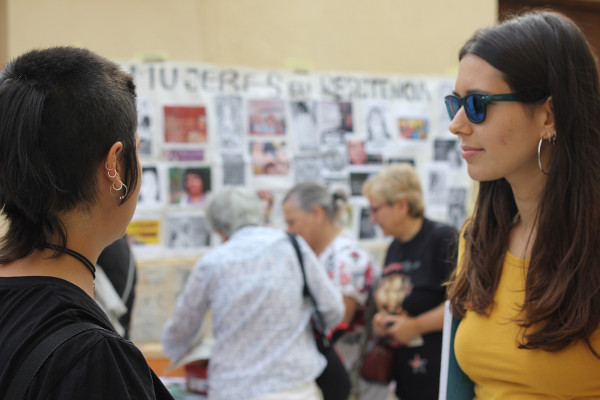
x,y
88,264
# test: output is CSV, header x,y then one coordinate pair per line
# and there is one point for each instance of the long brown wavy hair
x,y
543,53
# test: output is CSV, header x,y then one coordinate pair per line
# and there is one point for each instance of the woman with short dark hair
x,y
68,188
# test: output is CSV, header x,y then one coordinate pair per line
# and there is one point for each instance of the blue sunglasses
x,y
475,104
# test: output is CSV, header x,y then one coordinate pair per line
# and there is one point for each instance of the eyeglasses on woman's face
x,y
375,209
475,104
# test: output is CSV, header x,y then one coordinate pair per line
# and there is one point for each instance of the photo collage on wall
x,y
203,127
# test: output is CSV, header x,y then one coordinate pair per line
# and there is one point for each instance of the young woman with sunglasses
x,y
526,108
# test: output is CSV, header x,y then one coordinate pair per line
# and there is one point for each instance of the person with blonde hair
x,y
410,295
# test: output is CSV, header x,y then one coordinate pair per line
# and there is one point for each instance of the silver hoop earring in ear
x,y
109,170
551,140
117,189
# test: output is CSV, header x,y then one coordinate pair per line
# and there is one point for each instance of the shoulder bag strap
x,y
320,326
40,354
305,289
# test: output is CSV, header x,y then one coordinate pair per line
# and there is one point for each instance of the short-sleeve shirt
x,y
414,271
411,282
352,270
95,364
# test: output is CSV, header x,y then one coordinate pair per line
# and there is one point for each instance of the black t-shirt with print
x,y
412,281
414,271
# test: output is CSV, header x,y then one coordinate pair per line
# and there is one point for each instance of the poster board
x,y
204,126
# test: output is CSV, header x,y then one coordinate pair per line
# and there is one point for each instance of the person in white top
x,y
311,211
265,347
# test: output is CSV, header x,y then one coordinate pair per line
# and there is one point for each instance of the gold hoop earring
x,y
109,170
117,189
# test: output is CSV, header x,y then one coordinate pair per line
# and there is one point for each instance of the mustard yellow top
x,y
486,349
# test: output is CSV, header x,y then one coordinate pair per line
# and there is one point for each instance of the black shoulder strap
x,y
40,354
305,290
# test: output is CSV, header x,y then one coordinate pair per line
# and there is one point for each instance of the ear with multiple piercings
x,y
551,139
112,173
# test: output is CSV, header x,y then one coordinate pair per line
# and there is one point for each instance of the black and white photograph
x,y
335,116
457,199
378,125
307,168
332,138
303,126
230,122
436,184
151,192
186,231
448,150
145,126
335,161
234,169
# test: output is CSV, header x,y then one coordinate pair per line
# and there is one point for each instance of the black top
x,y
412,282
96,364
424,263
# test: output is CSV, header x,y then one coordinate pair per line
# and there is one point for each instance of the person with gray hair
x,y
312,212
265,348
410,294
232,208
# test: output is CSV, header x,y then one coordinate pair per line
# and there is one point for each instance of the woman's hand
x,y
402,327
379,323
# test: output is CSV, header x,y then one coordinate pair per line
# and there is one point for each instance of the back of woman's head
x,y
395,182
61,110
308,195
231,208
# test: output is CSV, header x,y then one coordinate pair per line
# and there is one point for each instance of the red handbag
x,y
378,364
196,377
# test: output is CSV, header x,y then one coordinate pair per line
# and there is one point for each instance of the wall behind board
x,y
390,36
